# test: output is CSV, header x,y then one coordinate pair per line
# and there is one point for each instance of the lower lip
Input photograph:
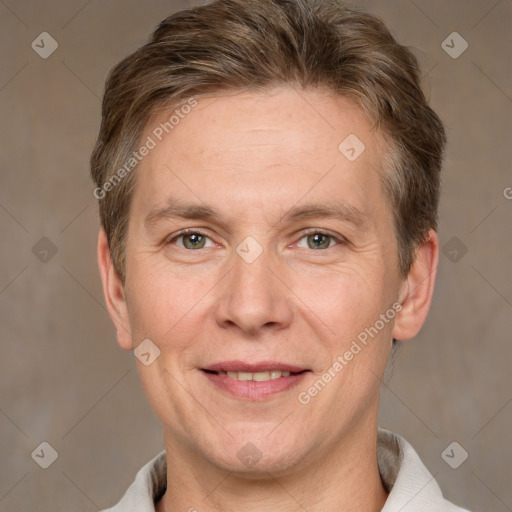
x,y
254,390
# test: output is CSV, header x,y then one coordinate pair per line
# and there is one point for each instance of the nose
x,y
253,298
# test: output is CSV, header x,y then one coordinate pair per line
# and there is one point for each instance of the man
x,y
268,180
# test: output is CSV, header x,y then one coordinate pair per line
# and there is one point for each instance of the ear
x,y
113,290
417,289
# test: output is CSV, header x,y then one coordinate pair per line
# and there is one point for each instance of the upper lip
x,y
241,366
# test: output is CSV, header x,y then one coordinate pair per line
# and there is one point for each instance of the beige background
x,y
63,379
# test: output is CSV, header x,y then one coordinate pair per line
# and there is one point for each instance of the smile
x,y
254,381
255,376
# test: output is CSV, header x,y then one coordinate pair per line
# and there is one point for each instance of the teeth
x,y
261,376
256,376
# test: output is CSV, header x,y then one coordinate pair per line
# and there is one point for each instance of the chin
x,y
255,459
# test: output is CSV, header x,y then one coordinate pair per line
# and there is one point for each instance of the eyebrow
x,y
177,209
338,210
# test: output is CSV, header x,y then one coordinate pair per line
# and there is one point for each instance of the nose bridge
x,y
252,276
252,297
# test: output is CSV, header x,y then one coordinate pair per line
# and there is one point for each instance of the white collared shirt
x,y
411,487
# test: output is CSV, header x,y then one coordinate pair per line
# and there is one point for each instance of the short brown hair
x,y
240,45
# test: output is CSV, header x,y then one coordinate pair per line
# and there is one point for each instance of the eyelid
x,y
188,231
310,231
313,231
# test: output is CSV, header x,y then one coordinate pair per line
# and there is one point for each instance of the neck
x,y
345,478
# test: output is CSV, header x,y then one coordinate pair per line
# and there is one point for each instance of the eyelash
x,y
312,231
340,240
186,232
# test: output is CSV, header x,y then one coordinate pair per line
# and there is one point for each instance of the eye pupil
x,y
193,241
318,241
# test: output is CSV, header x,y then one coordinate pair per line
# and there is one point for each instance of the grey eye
x,y
317,241
192,241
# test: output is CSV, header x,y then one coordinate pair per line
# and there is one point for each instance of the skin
x,y
253,157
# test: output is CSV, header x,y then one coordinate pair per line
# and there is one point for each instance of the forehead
x,y
262,149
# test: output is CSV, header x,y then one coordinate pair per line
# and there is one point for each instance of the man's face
x,y
298,259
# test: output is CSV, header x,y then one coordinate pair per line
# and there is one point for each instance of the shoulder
x,y
149,484
410,485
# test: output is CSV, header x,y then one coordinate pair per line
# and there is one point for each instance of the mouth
x,y
255,376
254,381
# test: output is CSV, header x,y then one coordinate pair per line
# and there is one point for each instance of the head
x,y
292,140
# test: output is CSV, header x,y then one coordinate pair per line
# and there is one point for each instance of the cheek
x,y
346,300
172,307
158,301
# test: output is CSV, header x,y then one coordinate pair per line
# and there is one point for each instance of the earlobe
x,y
417,290
113,291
